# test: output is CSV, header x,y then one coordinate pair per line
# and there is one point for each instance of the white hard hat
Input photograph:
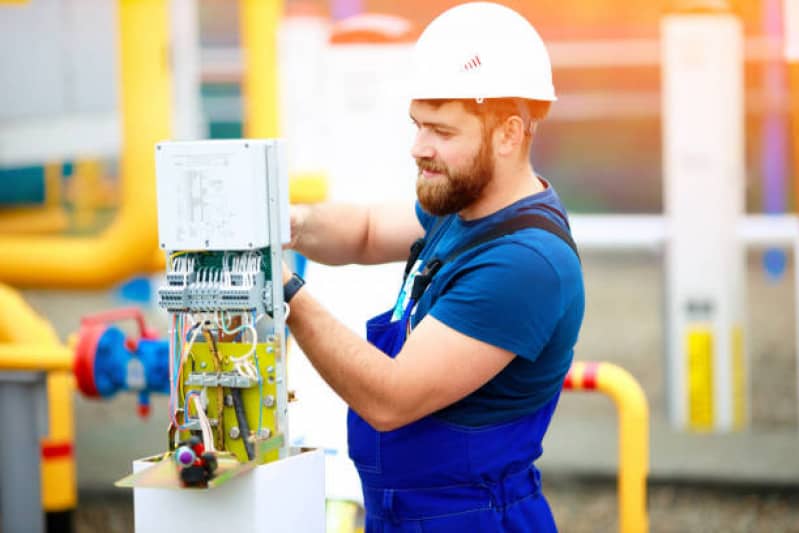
x,y
481,50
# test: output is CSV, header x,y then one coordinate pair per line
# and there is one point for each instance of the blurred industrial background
x,y
335,95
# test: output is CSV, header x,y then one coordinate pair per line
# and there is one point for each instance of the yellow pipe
x,y
20,324
126,247
259,22
633,412
34,356
33,220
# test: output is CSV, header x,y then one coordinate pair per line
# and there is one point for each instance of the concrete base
x,y
286,495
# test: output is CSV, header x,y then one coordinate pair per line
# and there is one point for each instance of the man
x,y
451,397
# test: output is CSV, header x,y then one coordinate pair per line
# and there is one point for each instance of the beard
x,y
454,190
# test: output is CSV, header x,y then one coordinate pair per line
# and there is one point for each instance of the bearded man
x,y
452,392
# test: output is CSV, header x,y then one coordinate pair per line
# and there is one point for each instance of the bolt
x,y
249,244
229,401
207,243
203,364
269,401
163,245
234,432
246,145
270,369
265,433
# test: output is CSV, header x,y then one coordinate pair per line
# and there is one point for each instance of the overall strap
x,y
418,245
557,212
507,227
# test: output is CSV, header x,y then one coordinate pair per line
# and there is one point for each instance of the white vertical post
x,y
302,44
185,41
703,155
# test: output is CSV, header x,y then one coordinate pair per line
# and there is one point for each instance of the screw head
x,y
269,401
265,433
234,432
203,364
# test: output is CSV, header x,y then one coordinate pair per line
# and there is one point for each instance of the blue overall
x,y
436,476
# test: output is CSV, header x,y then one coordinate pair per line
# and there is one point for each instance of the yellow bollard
x,y
633,412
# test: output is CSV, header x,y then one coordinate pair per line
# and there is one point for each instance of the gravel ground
x,y
582,506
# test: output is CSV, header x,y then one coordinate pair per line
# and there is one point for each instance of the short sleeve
x,y
508,296
425,218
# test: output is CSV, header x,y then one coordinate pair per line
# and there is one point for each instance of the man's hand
x,y
298,214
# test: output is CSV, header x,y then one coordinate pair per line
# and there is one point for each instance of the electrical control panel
x,y
222,220
215,195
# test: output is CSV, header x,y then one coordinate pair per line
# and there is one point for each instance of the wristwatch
x,y
291,287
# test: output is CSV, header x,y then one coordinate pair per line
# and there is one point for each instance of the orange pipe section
x,y
126,248
633,412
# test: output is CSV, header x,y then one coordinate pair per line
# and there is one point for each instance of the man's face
x,y
453,154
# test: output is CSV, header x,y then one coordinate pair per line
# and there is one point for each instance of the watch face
x,y
292,286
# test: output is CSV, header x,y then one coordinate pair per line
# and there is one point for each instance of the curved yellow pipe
x,y
633,411
126,247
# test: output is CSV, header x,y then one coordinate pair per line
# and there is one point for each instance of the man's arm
x,y
437,366
338,234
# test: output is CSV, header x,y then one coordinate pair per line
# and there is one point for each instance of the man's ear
x,y
509,136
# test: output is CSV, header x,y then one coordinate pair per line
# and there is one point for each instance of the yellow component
x,y
33,220
341,516
739,388
126,247
259,23
631,404
699,377
19,324
308,188
202,360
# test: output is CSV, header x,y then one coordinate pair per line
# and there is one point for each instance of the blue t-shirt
x,y
522,292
